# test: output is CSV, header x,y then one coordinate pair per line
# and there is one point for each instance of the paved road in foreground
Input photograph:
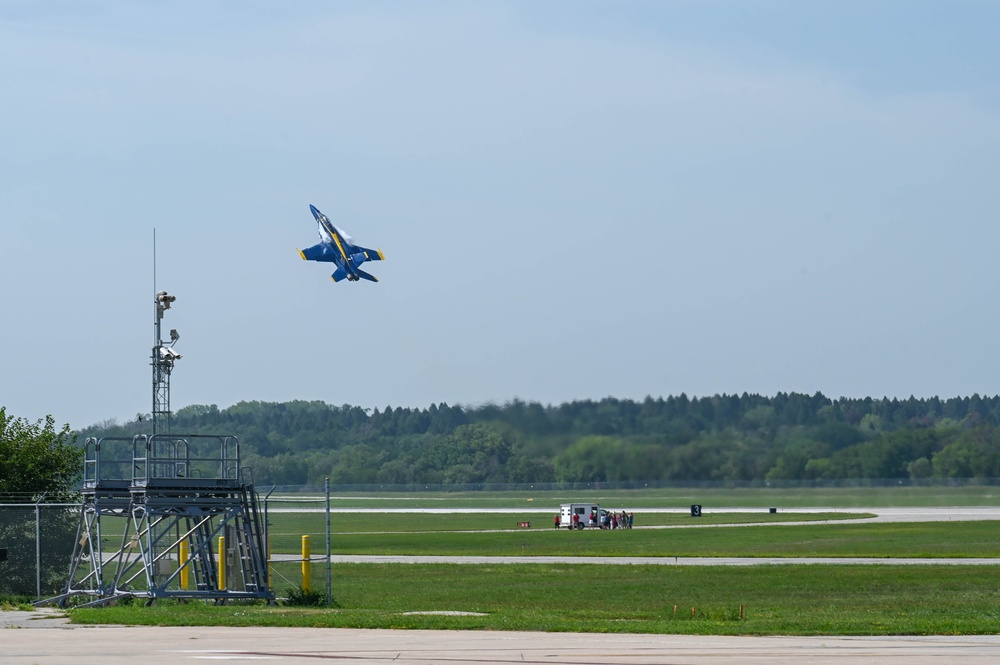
x,y
152,645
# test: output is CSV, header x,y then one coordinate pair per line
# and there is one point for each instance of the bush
x,y
300,597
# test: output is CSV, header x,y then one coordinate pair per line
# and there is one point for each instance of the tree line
x,y
735,438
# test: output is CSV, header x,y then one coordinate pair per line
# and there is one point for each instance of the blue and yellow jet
x,y
336,246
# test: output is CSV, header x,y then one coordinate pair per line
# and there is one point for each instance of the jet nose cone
x,y
316,213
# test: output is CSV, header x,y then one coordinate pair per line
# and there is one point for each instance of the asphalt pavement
x,y
35,642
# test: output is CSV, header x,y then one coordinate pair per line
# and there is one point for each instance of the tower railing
x,y
189,460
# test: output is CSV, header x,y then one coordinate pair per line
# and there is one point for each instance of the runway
x,y
647,560
931,514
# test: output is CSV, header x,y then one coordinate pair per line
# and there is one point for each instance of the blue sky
x,y
575,200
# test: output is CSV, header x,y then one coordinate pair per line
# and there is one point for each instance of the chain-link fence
x,y
297,544
38,539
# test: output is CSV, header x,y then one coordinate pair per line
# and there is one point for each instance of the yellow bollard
x,y
306,565
222,563
182,559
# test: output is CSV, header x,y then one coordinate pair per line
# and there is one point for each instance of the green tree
x,y
36,459
961,459
973,454
793,462
480,453
920,468
588,459
37,463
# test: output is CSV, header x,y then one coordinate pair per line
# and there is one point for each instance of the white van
x,y
588,515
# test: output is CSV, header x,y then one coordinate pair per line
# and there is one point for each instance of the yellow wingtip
x,y
300,253
380,254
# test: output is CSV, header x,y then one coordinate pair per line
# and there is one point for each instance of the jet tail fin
x,y
338,274
362,273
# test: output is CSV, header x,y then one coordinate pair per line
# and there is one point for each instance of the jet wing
x,y
371,254
320,252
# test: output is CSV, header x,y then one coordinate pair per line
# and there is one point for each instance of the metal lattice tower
x,y
163,359
183,512
182,521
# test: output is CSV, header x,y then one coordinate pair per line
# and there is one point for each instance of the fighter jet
x,y
337,246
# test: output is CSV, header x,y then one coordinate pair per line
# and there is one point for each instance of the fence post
x,y
306,570
329,572
182,559
38,546
267,539
222,563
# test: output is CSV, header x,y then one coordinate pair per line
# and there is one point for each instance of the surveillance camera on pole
x,y
163,359
163,300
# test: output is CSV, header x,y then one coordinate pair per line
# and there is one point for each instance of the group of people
x,y
612,520
606,520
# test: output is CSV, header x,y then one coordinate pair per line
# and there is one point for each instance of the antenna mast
x,y
163,357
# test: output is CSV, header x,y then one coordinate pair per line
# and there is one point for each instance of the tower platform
x,y
167,516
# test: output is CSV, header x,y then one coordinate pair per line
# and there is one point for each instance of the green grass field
x,y
287,528
350,529
314,522
913,540
775,599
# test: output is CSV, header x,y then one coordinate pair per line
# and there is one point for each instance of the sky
x,y
575,199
